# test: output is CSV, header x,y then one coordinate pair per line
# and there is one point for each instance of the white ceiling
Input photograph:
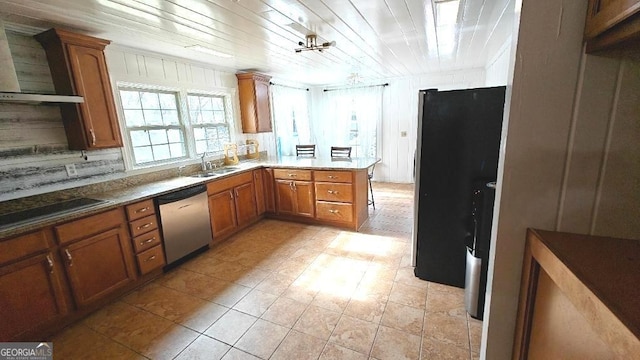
x,y
375,39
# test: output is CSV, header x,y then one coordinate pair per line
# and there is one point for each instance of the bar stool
x,y
341,151
369,177
306,150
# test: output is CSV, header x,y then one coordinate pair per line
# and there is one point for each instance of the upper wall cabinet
x,y
78,67
254,102
613,25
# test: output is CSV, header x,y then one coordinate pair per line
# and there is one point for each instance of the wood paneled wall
x,y
136,66
400,117
570,157
33,145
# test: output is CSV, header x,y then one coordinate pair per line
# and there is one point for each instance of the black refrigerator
x,y
458,145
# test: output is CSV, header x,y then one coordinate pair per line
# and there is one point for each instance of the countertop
x,y
608,267
119,197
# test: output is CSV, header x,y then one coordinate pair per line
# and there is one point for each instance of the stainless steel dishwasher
x,y
186,226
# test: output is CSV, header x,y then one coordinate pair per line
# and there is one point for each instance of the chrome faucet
x,y
204,164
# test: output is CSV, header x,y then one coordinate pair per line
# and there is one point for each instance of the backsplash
x,y
33,144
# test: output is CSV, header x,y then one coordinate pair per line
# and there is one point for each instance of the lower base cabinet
x,y
223,214
232,204
97,255
31,296
98,266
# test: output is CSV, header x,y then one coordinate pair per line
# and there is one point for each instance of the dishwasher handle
x,y
181,194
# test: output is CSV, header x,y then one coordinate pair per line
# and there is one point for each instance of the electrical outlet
x,y
403,134
71,170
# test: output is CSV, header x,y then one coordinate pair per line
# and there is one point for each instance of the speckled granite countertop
x,y
124,195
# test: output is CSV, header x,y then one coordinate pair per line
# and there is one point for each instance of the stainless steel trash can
x,y
472,284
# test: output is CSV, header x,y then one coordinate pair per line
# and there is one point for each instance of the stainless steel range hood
x,y
9,86
39,98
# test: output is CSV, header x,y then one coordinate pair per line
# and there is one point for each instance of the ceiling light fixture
x,y
312,44
206,50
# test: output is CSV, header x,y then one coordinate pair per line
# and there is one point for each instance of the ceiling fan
x,y
312,44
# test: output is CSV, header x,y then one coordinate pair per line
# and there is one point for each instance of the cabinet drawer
x,y
334,192
91,225
146,241
217,186
291,174
332,211
143,225
22,246
333,176
150,260
139,210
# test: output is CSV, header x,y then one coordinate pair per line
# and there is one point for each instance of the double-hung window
x,y
153,124
164,126
209,122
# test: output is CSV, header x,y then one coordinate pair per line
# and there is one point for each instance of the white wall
x,y
136,66
497,69
400,114
570,156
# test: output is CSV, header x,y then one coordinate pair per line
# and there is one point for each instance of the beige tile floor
x,y
281,290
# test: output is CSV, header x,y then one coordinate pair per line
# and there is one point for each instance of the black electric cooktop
x,y
44,212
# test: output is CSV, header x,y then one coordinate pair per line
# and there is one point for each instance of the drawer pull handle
x,y
293,175
69,258
333,192
142,210
333,211
147,241
144,226
151,258
50,263
93,137
332,177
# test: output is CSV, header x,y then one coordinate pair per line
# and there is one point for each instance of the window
x,y
163,126
208,119
153,124
291,118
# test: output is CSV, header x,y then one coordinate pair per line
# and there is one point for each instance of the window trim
x,y
184,117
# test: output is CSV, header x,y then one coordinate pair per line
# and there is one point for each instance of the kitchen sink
x,y
204,175
216,172
225,170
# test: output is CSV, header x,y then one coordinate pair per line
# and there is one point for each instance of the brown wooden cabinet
x,y
578,298
294,192
232,204
269,191
260,191
30,287
145,235
97,255
255,108
613,25
223,214
78,67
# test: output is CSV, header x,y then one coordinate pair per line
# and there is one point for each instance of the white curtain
x,y
349,117
291,118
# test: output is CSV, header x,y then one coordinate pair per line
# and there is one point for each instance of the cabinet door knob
x,y
93,137
50,263
69,258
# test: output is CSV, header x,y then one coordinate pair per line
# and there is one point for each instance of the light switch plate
x,y
403,134
71,170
